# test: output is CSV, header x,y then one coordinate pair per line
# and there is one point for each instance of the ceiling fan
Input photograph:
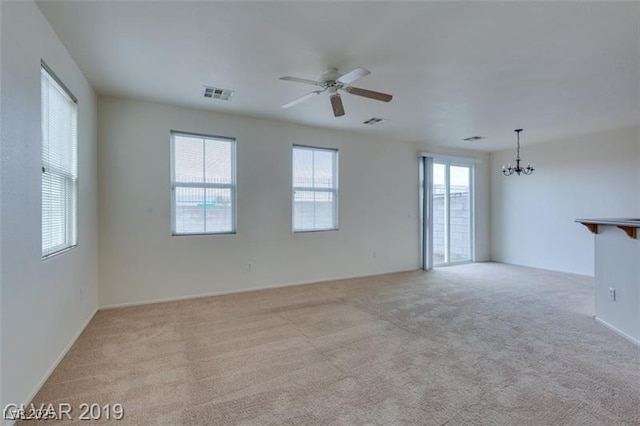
x,y
333,81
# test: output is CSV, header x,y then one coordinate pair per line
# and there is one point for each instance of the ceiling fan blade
x,y
353,75
336,104
378,96
302,98
301,80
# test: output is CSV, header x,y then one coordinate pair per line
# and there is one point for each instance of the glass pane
x,y
219,210
217,161
460,217
324,210
302,167
323,169
304,210
439,214
59,137
188,159
313,210
190,210
54,212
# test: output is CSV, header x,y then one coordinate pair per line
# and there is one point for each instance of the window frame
x,y
70,179
232,186
333,190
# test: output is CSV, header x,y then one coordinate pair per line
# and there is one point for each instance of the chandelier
x,y
508,170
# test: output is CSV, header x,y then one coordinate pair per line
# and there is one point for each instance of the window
x,y
315,189
59,165
203,184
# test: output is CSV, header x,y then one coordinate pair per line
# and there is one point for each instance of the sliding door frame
x,y
426,207
426,212
472,212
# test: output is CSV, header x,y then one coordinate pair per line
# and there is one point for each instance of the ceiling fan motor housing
x,y
330,75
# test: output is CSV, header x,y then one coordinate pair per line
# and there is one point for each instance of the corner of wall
x,y
588,175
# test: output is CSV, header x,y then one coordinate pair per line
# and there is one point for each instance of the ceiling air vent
x,y
215,93
473,138
373,120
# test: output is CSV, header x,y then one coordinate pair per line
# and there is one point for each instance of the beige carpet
x,y
474,344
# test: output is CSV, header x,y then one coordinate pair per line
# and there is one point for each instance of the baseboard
x,y
57,361
243,290
540,268
622,333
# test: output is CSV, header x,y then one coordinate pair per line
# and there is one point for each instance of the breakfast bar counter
x,y
617,274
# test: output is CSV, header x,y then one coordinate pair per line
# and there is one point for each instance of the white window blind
x,y
59,166
203,184
315,189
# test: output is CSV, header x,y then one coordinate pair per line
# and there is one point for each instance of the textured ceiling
x,y
456,69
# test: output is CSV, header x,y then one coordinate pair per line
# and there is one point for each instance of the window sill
x,y
59,252
304,231
203,234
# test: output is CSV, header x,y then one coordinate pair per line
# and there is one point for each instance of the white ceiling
x,y
455,69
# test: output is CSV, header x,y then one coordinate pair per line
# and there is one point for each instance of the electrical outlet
x,y
249,266
612,294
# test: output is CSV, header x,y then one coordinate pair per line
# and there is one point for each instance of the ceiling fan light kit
x,y
333,82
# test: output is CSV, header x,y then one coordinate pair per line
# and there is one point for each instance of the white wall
x,y
483,209
141,261
43,309
618,267
588,176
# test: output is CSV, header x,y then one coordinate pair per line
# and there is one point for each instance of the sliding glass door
x,y
459,212
440,223
448,212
